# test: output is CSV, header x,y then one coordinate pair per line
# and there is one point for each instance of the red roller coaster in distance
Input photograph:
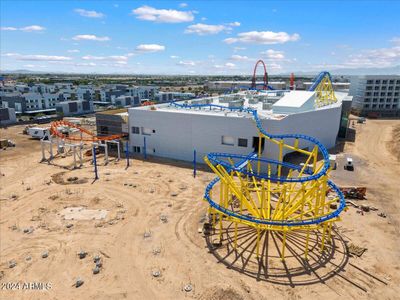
x,y
265,79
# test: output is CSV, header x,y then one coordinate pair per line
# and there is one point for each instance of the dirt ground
x,y
146,231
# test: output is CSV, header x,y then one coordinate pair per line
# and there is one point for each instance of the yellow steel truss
x,y
325,94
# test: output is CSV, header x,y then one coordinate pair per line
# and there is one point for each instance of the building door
x,y
256,143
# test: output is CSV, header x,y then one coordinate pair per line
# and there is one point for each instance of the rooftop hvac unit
x,y
236,104
253,101
267,106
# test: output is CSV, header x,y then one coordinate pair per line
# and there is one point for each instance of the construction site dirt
x,y
136,232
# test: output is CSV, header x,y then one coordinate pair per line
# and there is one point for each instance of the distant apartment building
x,y
71,108
376,95
7,116
162,97
123,101
142,92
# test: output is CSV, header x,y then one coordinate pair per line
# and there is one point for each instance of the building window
x,y
242,142
383,94
397,81
381,100
394,105
227,140
387,106
376,93
383,88
366,105
147,131
377,81
376,88
367,99
384,81
136,149
391,81
373,105
370,81
135,130
375,100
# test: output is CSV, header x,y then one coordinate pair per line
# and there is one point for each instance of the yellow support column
x,y
259,153
269,193
263,198
323,237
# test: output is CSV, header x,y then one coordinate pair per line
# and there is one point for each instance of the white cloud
x,y
203,19
187,63
73,51
89,13
274,66
30,28
381,57
227,65
174,56
90,64
236,49
230,65
263,37
239,57
149,13
396,40
274,54
118,59
90,37
204,29
150,48
37,57
183,5
234,24
9,28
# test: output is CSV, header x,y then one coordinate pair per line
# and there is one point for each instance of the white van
x,y
349,164
39,132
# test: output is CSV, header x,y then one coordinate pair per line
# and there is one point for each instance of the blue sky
x,y
198,37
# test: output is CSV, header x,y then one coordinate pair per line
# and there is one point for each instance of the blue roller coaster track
x,y
217,159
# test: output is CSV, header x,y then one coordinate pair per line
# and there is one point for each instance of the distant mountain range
x,y
395,70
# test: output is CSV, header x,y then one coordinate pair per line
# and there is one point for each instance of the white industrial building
x,y
174,132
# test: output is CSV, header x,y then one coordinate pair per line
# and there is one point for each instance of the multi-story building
x,y
376,95
71,108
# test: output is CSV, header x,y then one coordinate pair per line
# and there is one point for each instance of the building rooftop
x,y
294,99
261,101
